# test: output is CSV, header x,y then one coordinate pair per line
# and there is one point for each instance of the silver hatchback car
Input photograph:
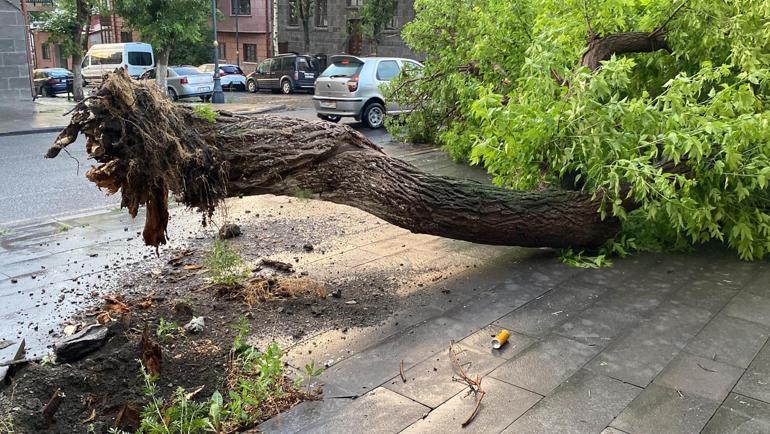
x,y
350,86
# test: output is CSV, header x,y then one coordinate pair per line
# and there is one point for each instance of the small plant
x,y
180,414
303,193
225,265
166,330
6,425
581,260
5,231
63,227
205,112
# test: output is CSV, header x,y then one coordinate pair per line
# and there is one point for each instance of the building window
x,y
241,7
126,37
293,13
45,51
249,52
222,50
355,3
392,24
321,17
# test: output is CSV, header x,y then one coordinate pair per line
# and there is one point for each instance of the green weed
x,y
63,227
303,193
205,112
6,425
582,260
225,265
166,330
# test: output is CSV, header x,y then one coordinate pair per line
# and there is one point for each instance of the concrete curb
x,y
56,129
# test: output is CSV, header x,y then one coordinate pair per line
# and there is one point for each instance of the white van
x,y
136,57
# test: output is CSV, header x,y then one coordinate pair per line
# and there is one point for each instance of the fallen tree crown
x,y
147,146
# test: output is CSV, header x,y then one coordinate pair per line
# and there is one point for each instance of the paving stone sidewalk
x,y
655,344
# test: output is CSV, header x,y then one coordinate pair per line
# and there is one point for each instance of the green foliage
x,y
63,227
65,25
303,193
166,330
6,425
225,265
257,384
489,96
374,14
195,53
582,260
205,112
166,24
179,414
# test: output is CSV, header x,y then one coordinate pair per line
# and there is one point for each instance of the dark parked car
x,y
286,73
51,81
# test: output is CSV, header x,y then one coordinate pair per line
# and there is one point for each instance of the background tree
x,y
66,25
660,109
375,15
303,10
166,24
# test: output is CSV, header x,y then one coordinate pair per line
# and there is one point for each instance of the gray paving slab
x,y
740,414
380,410
641,354
598,325
750,307
585,403
699,376
502,404
755,382
306,413
708,295
639,296
659,409
431,382
622,270
760,285
611,430
488,306
543,366
540,316
729,340
372,367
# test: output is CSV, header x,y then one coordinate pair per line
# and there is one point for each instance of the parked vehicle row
x,y
349,87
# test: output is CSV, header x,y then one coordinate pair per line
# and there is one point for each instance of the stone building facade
x,y
334,30
14,67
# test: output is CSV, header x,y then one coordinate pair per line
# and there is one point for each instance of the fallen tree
x,y
147,146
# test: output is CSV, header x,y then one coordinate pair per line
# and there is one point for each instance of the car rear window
x,y
187,70
59,73
231,69
341,69
139,58
305,65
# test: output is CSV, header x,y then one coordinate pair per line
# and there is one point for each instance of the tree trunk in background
x,y
306,35
162,72
148,147
77,77
83,16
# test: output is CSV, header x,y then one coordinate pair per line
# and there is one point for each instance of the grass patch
x,y
303,193
4,232
257,388
225,265
265,289
205,112
63,227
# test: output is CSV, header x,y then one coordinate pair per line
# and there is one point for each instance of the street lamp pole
x,y
217,97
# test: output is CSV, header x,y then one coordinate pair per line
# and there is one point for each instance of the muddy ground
x,y
353,256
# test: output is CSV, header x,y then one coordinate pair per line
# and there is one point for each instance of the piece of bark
x,y
148,147
80,344
278,265
151,352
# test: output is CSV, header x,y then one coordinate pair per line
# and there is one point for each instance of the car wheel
x,y
374,115
205,98
286,87
172,94
252,86
329,118
45,91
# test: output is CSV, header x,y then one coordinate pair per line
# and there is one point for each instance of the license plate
x,y
204,89
328,104
309,75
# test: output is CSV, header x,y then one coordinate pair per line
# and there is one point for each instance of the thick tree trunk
x,y
148,147
162,71
77,77
602,48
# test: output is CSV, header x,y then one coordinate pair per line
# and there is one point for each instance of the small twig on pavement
x,y
706,369
474,384
401,371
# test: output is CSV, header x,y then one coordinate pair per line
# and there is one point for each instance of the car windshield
x,y
343,68
187,70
